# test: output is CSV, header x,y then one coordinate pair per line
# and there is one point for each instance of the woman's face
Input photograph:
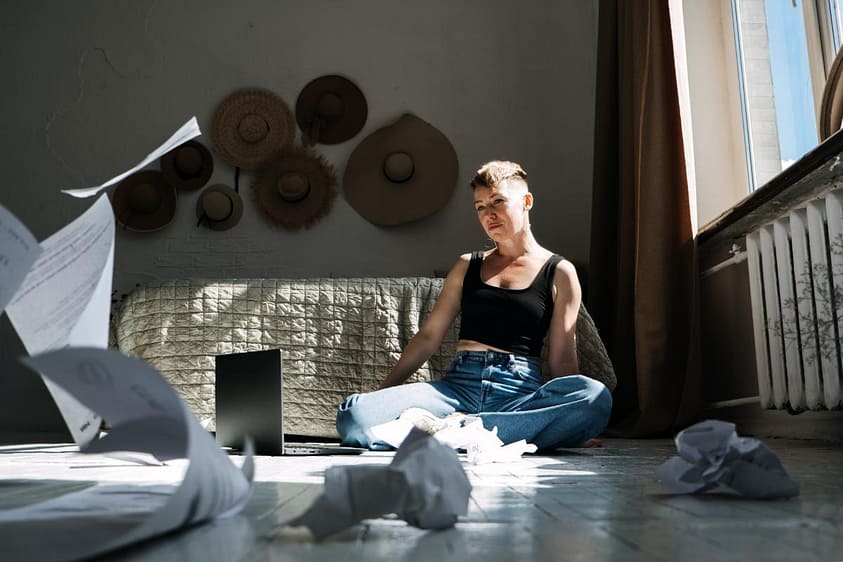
x,y
503,210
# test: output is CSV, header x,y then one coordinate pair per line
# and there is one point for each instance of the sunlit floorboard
x,y
582,504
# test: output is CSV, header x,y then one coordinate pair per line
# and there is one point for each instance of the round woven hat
x,y
401,173
188,166
144,201
295,188
251,124
219,207
330,109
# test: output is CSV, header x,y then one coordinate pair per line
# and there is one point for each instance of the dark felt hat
x,y
188,166
330,109
144,201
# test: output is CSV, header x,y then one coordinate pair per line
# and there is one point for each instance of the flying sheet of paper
x,y
425,485
18,251
712,457
66,300
147,416
186,132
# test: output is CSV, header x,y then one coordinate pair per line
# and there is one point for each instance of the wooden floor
x,y
582,504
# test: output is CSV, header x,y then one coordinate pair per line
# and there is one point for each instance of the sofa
x,y
337,335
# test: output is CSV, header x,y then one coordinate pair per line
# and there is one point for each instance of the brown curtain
x,y
643,271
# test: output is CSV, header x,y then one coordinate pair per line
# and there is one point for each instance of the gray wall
x,y
90,87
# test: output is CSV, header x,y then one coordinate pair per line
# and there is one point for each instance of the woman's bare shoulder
x,y
566,267
565,279
460,266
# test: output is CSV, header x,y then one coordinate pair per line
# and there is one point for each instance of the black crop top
x,y
516,320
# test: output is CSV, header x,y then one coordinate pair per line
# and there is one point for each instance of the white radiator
x,y
796,287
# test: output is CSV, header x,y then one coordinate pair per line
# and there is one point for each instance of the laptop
x,y
249,403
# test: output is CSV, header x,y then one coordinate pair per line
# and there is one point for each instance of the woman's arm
x,y
562,335
429,337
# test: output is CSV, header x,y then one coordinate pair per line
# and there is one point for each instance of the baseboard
x,y
22,437
752,420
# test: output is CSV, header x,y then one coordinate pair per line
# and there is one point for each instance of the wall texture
x,y
90,87
93,86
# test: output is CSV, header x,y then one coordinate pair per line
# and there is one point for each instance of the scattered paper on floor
x,y
425,485
147,416
462,432
712,457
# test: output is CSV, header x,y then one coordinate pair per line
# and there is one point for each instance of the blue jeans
x,y
502,389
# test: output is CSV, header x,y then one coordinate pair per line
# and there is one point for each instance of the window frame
x,y
713,200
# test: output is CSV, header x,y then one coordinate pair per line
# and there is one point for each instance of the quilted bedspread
x,y
337,336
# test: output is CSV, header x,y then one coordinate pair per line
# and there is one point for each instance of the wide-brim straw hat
x,y
144,201
250,125
330,109
295,188
188,166
401,173
219,207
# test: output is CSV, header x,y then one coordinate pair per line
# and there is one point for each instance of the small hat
x,y
295,188
188,166
144,201
219,207
249,125
401,173
330,109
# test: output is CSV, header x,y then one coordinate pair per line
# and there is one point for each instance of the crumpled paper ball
x,y
425,485
712,456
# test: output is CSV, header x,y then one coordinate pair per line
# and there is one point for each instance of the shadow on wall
x,y
27,411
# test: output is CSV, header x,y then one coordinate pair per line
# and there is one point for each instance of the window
x,y
777,100
755,75
828,12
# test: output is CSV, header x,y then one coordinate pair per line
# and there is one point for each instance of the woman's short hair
x,y
493,173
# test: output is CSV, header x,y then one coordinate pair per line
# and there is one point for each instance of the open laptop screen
x,y
249,400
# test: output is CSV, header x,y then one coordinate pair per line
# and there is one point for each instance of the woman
x,y
509,299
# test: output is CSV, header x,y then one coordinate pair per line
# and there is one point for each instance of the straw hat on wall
x,y
403,172
295,188
219,207
250,125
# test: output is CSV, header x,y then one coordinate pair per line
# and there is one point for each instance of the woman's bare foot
x,y
596,443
